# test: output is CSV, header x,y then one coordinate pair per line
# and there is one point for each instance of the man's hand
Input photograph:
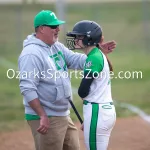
x,y
82,127
107,47
44,125
44,120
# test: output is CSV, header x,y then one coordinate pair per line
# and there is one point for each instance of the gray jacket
x,y
44,75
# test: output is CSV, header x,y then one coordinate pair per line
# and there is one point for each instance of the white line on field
x,y
130,107
136,110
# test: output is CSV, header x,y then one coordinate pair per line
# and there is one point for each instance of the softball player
x,y
95,88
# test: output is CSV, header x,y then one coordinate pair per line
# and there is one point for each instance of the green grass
x,y
122,22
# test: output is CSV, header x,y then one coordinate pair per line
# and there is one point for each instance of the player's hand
x,y
44,125
108,47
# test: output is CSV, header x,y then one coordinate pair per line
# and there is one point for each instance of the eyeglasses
x,y
79,37
52,26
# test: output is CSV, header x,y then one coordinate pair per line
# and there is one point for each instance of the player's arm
x,y
85,84
93,66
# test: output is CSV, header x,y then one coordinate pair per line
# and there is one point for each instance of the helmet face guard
x,y
70,43
71,40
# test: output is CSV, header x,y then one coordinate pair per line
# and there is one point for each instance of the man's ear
x,y
102,40
41,28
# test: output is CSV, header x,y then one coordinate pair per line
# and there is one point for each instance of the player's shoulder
x,y
96,57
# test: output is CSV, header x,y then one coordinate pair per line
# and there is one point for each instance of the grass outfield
x,y
122,22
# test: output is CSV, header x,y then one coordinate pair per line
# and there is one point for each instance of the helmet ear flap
x,y
90,40
87,41
95,36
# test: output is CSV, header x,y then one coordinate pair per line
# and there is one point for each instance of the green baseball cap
x,y
46,17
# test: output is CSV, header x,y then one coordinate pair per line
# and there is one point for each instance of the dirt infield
x,y
128,134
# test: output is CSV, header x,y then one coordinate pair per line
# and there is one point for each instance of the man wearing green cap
x,y
44,88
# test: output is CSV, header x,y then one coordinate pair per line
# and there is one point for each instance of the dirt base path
x,y
128,134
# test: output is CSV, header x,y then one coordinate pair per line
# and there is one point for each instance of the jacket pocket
x,y
61,101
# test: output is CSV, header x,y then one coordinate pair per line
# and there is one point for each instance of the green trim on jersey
x,y
93,127
94,61
32,117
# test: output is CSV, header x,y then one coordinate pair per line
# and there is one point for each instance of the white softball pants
x,y
99,120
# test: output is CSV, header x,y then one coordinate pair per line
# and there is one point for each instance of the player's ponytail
x,y
109,62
